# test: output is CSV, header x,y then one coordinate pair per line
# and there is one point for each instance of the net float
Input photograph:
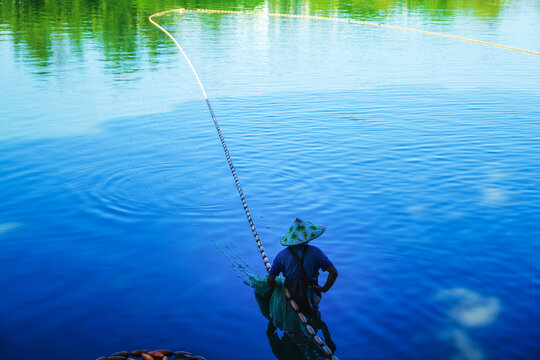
x,y
327,350
287,293
147,357
165,352
156,354
310,330
182,354
138,353
302,318
116,358
121,353
294,305
318,340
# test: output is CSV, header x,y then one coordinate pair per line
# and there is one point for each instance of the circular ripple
x,y
142,191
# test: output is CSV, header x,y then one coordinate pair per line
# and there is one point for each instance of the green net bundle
x,y
294,343
274,305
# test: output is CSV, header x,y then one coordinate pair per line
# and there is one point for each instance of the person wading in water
x,y
300,264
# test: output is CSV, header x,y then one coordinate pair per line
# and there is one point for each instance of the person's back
x,y
314,260
300,263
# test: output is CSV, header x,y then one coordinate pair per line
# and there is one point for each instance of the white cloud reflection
x,y
467,309
467,350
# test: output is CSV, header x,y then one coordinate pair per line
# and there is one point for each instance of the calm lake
x,y
121,226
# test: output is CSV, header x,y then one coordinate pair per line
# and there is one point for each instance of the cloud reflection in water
x,y
467,309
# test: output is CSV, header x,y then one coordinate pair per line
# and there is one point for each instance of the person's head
x,y
301,232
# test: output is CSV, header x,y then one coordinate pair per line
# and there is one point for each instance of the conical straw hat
x,y
301,232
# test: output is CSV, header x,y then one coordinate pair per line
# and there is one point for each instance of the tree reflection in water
x,y
46,34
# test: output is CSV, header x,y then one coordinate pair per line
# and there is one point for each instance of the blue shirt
x,y
314,260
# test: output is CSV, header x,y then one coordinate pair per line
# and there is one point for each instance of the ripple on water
x,y
150,166
140,191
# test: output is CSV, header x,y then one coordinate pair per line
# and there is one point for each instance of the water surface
x,y
121,227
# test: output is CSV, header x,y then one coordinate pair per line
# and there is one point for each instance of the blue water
x,y
121,227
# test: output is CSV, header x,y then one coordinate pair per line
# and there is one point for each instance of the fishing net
x,y
273,304
294,342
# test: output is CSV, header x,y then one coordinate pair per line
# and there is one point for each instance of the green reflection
x,y
49,33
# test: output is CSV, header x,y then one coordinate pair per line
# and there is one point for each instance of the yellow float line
x,y
344,21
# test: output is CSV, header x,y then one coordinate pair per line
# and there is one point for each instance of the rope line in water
x,y
231,165
325,349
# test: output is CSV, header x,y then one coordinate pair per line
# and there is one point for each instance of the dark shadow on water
x,y
298,346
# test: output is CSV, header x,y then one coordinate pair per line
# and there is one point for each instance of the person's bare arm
x,y
271,280
332,276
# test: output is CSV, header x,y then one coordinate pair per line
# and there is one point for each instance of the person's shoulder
x,y
282,253
316,251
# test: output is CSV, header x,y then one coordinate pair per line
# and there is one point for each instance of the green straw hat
x,y
301,232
